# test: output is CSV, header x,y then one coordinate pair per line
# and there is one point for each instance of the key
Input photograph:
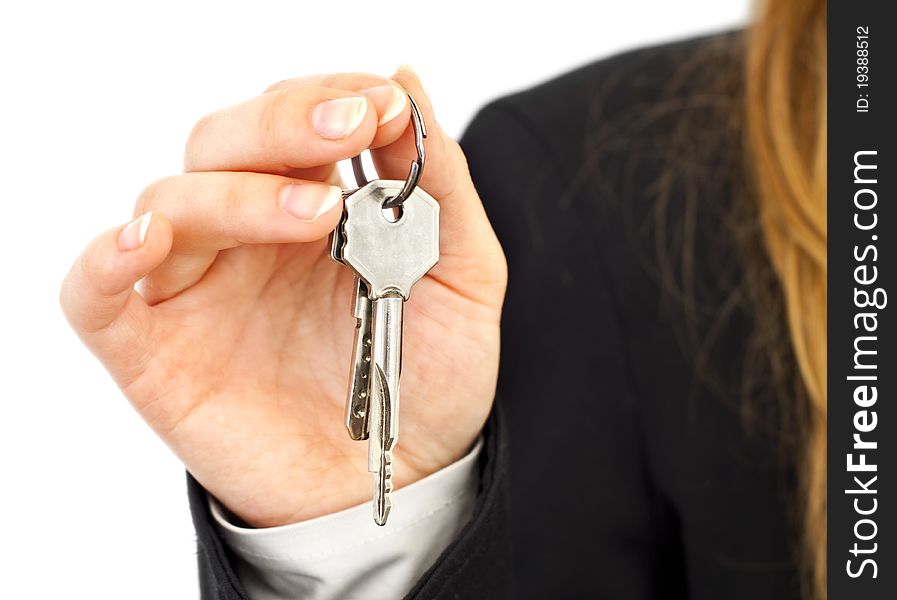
x,y
336,238
389,256
358,396
386,364
358,399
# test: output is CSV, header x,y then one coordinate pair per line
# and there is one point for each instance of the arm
x,y
231,348
475,562
454,552
343,552
469,556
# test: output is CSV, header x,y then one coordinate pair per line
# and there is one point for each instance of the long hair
x,y
767,87
785,126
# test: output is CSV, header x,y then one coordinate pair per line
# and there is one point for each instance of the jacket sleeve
x,y
344,553
478,563
473,566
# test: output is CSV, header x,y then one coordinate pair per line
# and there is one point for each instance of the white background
x,y
97,100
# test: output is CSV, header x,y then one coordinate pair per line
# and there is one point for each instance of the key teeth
x,y
384,491
387,486
357,402
383,484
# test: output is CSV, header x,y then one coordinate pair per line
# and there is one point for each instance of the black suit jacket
x,y
637,449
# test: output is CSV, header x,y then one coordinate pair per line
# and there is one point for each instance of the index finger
x,y
299,125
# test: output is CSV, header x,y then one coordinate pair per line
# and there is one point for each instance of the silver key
x,y
358,400
386,365
336,238
390,257
358,396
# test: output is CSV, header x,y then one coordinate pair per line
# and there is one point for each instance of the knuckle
x,y
452,155
278,85
152,196
84,280
66,297
277,118
455,152
92,272
235,195
194,138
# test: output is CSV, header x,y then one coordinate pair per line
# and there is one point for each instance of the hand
x,y
236,350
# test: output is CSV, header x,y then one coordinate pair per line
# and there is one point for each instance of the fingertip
x,y
351,137
308,201
393,111
96,289
405,70
333,201
411,80
336,119
144,242
389,100
133,234
327,215
311,210
446,162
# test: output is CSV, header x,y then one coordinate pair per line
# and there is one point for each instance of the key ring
x,y
417,167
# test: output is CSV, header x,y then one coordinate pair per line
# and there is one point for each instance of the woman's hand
x,y
236,351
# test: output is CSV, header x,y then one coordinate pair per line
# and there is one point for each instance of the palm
x,y
250,383
237,352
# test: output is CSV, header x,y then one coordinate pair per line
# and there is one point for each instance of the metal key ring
x,y
417,167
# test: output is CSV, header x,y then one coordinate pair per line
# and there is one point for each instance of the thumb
x,y
466,237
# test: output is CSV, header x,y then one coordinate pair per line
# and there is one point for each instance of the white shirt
x,y
345,554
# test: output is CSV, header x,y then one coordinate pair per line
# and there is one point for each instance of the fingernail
x,y
308,201
134,234
390,96
338,118
406,68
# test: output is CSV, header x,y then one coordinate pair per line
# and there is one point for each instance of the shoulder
x,y
619,158
618,143
624,182
620,195
644,89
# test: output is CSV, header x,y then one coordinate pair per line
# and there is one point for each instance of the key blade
x,y
386,357
383,476
359,394
383,498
